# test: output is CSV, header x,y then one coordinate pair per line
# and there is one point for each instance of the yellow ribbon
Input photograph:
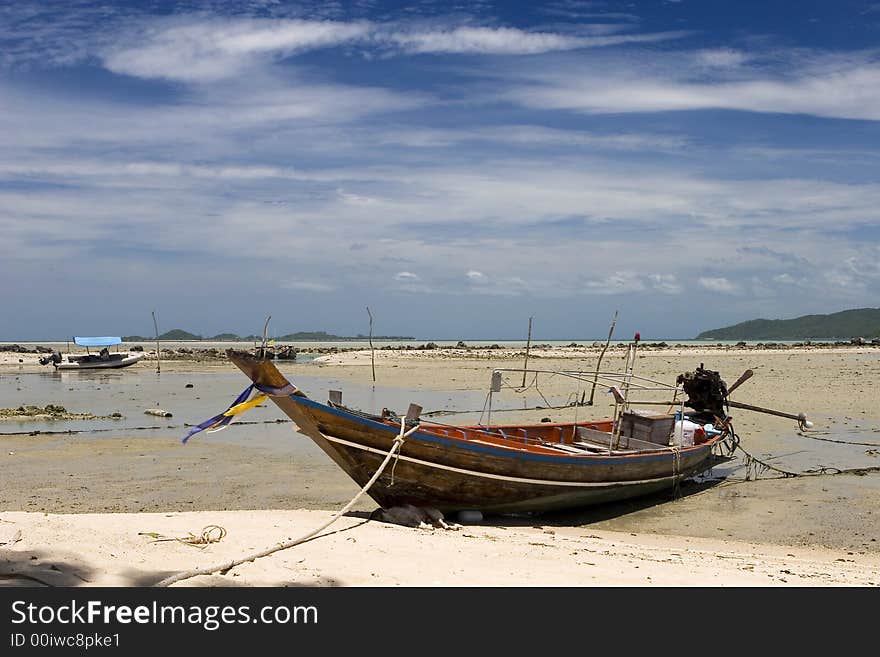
x,y
243,406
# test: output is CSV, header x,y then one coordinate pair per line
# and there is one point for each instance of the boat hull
x,y
100,364
453,474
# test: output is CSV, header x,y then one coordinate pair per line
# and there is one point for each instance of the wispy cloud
x,y
720,58
188,49
619,282
507,41
665,283
307,286
844,87
199,48
718,284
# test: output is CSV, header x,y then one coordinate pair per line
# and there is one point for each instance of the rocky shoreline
x,y
290,353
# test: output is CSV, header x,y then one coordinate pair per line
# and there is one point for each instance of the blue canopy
x,y
96,342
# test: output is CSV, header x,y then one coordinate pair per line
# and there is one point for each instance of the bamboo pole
x,y
265,337
528,344
800,417
601,355
156,326
372,354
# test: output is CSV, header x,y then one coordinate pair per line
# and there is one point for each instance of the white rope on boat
x,y
227,565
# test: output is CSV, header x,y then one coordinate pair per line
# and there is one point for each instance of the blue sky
x,y
457,167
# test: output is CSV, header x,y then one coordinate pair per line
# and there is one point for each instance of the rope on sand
x,y
756,467
210,534
812,435
228,565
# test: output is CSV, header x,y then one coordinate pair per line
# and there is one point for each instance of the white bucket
x,y
683,433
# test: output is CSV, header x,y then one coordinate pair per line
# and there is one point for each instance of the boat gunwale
x,y
516,450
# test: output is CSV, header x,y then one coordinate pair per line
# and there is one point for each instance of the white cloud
x,y
307,286
620,282
198,49
476,276
719,284
206,50
720,58
512,286
820,86
406,276
537,136
665,283
508,40
785,279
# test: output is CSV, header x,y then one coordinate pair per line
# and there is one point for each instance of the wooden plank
x,y
565,448
604,439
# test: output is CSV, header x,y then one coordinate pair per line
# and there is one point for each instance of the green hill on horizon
x,y
179,335
847,324
173,334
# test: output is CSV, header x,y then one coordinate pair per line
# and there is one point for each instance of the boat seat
x,y
565,448
593,447
603,449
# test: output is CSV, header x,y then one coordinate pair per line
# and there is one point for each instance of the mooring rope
x,y
226,566
676,469
839,442
757,467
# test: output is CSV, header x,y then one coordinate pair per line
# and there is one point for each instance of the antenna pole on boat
x,y
599,362
156,326
528,344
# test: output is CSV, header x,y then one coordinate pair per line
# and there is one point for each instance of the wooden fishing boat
x,y
498,468
104,359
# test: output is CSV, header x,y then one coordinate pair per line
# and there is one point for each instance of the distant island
x,y
860,322
179,335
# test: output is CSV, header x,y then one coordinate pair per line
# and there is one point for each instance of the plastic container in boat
x,y
686,433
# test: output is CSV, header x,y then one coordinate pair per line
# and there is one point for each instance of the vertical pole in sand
x,y
156,326
599,362
265,337
528,344
372,354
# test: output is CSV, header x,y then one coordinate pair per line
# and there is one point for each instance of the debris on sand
x,y
51,412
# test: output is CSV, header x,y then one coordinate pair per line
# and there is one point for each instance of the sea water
x,y
190,398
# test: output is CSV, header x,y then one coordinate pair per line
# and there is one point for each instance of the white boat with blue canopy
x,y
103,359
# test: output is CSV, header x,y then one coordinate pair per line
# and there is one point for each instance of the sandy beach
x,y
74,508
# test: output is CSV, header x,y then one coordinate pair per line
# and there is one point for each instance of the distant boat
x,y
502,468
104,359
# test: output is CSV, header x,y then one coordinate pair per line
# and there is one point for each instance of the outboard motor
x,y
706,391
54,358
